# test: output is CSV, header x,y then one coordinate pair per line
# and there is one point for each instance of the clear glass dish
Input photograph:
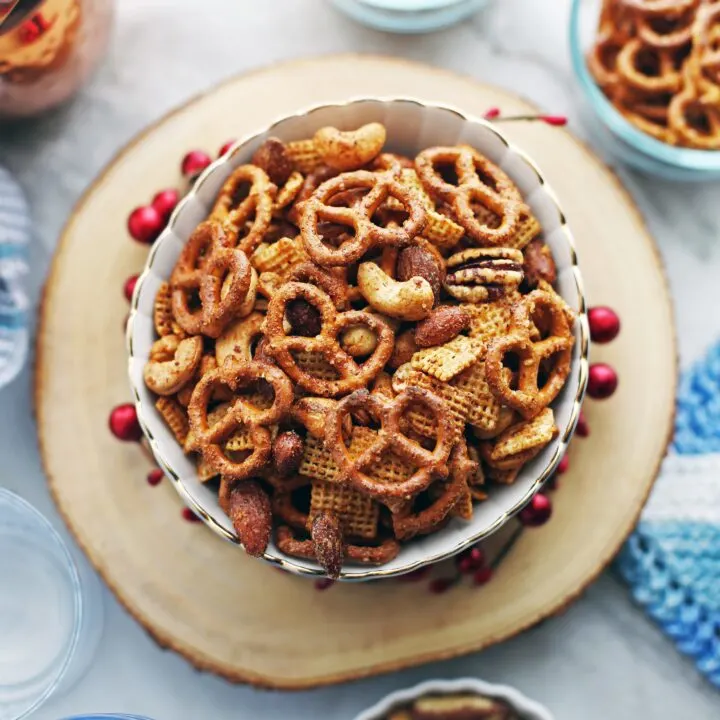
x,y
612,132
50,611
409,16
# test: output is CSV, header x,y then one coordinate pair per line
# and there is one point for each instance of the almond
x,y
328,543
415,261
272,157
287,452
538,264
441,326
251,516
405,348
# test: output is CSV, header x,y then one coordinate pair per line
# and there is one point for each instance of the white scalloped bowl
x,y
411,127
526,708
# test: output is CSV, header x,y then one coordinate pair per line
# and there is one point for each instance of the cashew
x,y
358,341
238,338
409,300
352,149
172,363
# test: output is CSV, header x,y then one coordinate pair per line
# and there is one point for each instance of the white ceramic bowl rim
x,y
529,709
353,571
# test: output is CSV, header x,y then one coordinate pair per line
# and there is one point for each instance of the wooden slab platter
x,y
235,616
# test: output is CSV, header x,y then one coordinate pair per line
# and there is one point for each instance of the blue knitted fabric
x,y
14,237
672,560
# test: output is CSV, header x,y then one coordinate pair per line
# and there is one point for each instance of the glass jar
x,y
48,49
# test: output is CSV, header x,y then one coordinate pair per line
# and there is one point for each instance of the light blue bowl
x,y
613,133
107,717
409,16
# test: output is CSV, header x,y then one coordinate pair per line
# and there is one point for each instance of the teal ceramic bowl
x,y
621,140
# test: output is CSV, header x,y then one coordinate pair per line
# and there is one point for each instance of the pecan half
x,y
480,274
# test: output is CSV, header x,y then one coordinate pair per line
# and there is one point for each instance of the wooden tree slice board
x,y
236,616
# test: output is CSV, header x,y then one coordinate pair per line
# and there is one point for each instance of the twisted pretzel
x,y
648,69
529,399
210,438
479,180
389,412
234,211
281,345
368,234
667,8
219,275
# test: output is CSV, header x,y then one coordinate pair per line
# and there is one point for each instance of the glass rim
x,y
687,158
22,507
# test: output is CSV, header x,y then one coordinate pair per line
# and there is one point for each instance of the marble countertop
x,y
602,658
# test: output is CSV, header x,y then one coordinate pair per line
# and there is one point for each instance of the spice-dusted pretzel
x,y
220,276
282,345
479,180
430,464
529,399
367,234
210,439
256,208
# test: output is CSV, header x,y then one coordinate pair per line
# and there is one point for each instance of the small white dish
x,y
412,125
526,708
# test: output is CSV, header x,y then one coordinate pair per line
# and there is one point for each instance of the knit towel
x,y
14,237
672,560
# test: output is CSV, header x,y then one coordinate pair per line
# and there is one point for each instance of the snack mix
x,y
454,707
658,62
354,344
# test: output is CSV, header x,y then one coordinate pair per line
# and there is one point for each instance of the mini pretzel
x,y
529,399
359,217
682,108
221,277
479,180
386,550
238,338
256,208
281,345
210,439
429,464
172,363
630,68
660,7
408,522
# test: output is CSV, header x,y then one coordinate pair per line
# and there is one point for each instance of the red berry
x,y
145,224
165,201
477,556
602,381
563,465
124,423
604,324
189,515
465,564
482,575
226,147
29,32
154,477
441,585
415,575
324,583
537,512
582,428
129,287
492,112
556,120
194,163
